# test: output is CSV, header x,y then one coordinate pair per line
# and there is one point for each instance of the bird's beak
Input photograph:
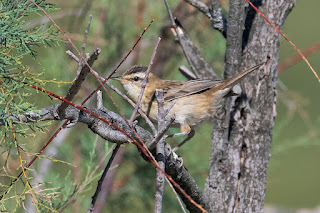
x,y
117,78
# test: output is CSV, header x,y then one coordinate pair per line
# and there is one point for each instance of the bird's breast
x,y
191,110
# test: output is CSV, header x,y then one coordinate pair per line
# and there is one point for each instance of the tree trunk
x,y
242,137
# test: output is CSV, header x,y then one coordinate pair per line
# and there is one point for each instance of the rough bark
x,y
239,159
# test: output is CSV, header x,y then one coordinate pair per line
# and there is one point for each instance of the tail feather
x,y
236,78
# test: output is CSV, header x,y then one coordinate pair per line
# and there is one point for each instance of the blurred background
x,y
293,178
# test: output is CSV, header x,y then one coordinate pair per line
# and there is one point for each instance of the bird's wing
x,y
180,89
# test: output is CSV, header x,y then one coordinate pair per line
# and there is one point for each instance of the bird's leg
x,y
185,130
190,135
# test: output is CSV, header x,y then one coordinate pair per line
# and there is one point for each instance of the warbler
x,y
195,100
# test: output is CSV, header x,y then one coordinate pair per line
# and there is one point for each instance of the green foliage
x,y
17,42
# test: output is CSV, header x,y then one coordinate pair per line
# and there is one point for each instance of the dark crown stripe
x,y
135,69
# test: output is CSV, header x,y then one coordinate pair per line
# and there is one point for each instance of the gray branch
x,y
126,98
75,116
172,164
181,175
197,63
218,20
82,71
76,85
160,154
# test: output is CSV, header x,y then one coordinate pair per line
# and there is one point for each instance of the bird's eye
x,y
136,78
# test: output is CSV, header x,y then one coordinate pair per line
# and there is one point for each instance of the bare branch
x,y
197,63
161,132
99,100
187,73
72,55
160,154
119,93
82,72
76,85
179,173
173,165
202,7
218,20
75,116
83,48
105,171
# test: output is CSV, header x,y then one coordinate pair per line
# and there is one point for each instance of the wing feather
x,y
182,89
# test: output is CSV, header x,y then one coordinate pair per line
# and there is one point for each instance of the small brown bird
x,y
195,100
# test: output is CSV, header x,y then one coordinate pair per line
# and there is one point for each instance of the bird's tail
x,y
229,83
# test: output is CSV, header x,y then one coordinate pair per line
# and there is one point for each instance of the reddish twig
x,y
145,81
296,58
83,102
294,46
145,151
140,145
120,94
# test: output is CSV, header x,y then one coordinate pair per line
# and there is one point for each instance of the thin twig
x,y
145,81
161,132
99,100
82,72
114,153
106,169
73,56
89,177
86,32
289,62
187,73
126,98
83,48
159,140
198,64
177,196
178,35
160,150
107,188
